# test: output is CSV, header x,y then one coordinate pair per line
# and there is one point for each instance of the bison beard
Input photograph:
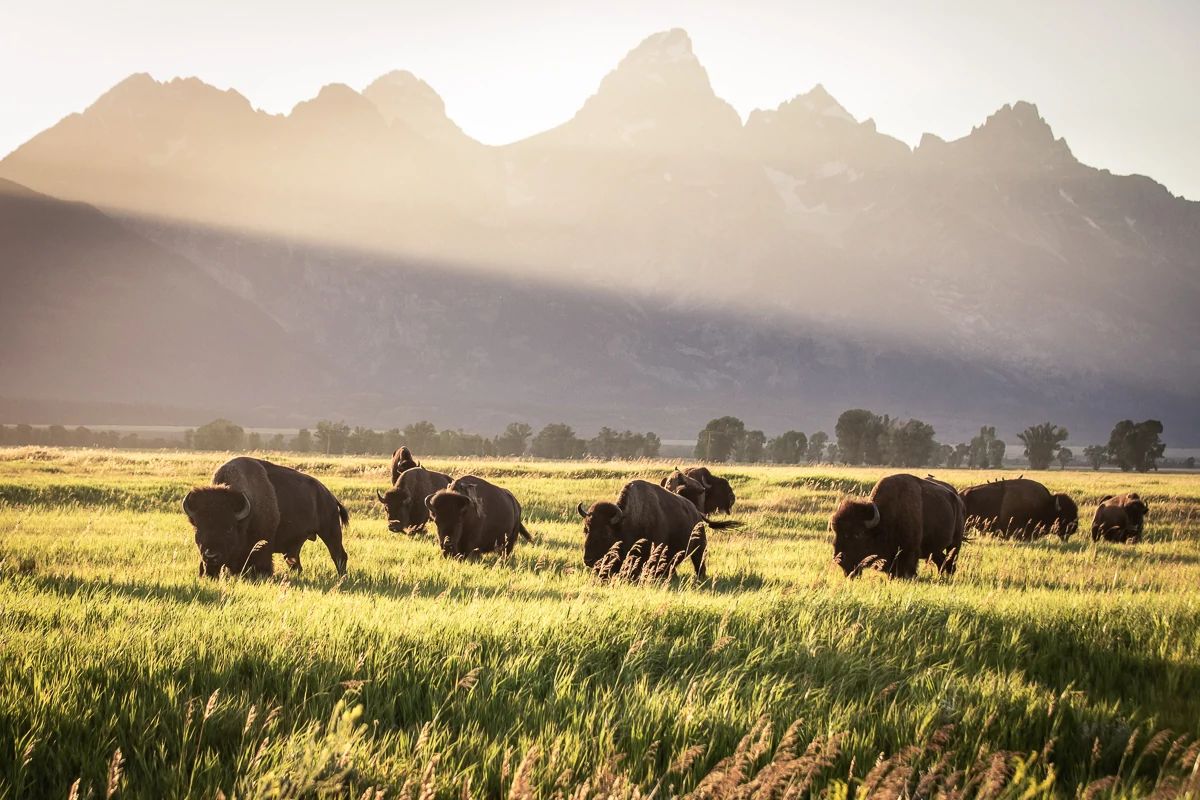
x,y
906,520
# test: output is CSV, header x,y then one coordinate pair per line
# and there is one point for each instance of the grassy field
x,y
1041,669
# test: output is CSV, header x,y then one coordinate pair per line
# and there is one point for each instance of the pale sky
x,y
1118,80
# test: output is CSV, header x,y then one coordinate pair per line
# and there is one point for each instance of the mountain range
x,y
651,262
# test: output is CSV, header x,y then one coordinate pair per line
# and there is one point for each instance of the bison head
x,y
601,531
687,488
450,510
719,496
399,504
219,516
1066,516
855,527
1136,511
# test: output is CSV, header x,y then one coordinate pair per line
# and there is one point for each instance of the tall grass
x,y
1040,669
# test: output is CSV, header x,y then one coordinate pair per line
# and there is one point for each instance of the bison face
x,y
398,503
601,531
719,496
855,527
1066,516
1135,511
219,516
449,511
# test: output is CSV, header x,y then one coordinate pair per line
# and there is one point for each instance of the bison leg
x,y
945,561
698,545
905,564
293,560
331,535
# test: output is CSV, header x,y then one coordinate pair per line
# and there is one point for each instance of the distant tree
x,y
1190,462
854,429
557,440
1136,446
303,443
276,442
816,447
720,439
220,434
912,444
1065,457
1095,455
958,455
1042,443
751,448
605,444
832,454
789,448
980,456
254,441
420,436
651,445
514,440
996,453
331,437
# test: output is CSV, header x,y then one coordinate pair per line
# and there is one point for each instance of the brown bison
x,y
253,501
1120,518
474,516
405,501
686,487
905,521
1021,508
718,494
402,459
645,517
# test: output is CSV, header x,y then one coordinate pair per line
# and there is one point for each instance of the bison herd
x,y
254,509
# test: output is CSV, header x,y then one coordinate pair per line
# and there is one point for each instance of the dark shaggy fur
x,y
474,516
1120,518
685,487
645,516
255,501
405,501
915,519
1020,508
402,459
718,494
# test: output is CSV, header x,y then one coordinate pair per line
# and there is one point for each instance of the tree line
x,y
866,438
861,438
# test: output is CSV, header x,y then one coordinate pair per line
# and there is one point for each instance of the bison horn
x,y
245,510
582,511
186,508
616,519
874,520
379,494
1057,503
429,503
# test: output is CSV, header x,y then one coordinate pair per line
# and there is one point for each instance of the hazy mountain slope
x,y
91,311
996,268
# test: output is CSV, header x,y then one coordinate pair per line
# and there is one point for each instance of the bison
x,y
405,501
402,459
685,486
1021,508
1120,518
253,501
718,494
905,521
646,517
474,516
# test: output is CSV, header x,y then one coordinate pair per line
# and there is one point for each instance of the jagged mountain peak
x,y
402,97
142,92
665,47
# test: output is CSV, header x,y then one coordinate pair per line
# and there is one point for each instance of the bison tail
x,y
722,524
343,513
521,529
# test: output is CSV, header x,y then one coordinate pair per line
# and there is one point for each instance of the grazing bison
x,y
686,487
402,459
718,494
254,501
405,501
1120,518
1021,508
644,517
474,516
906,520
